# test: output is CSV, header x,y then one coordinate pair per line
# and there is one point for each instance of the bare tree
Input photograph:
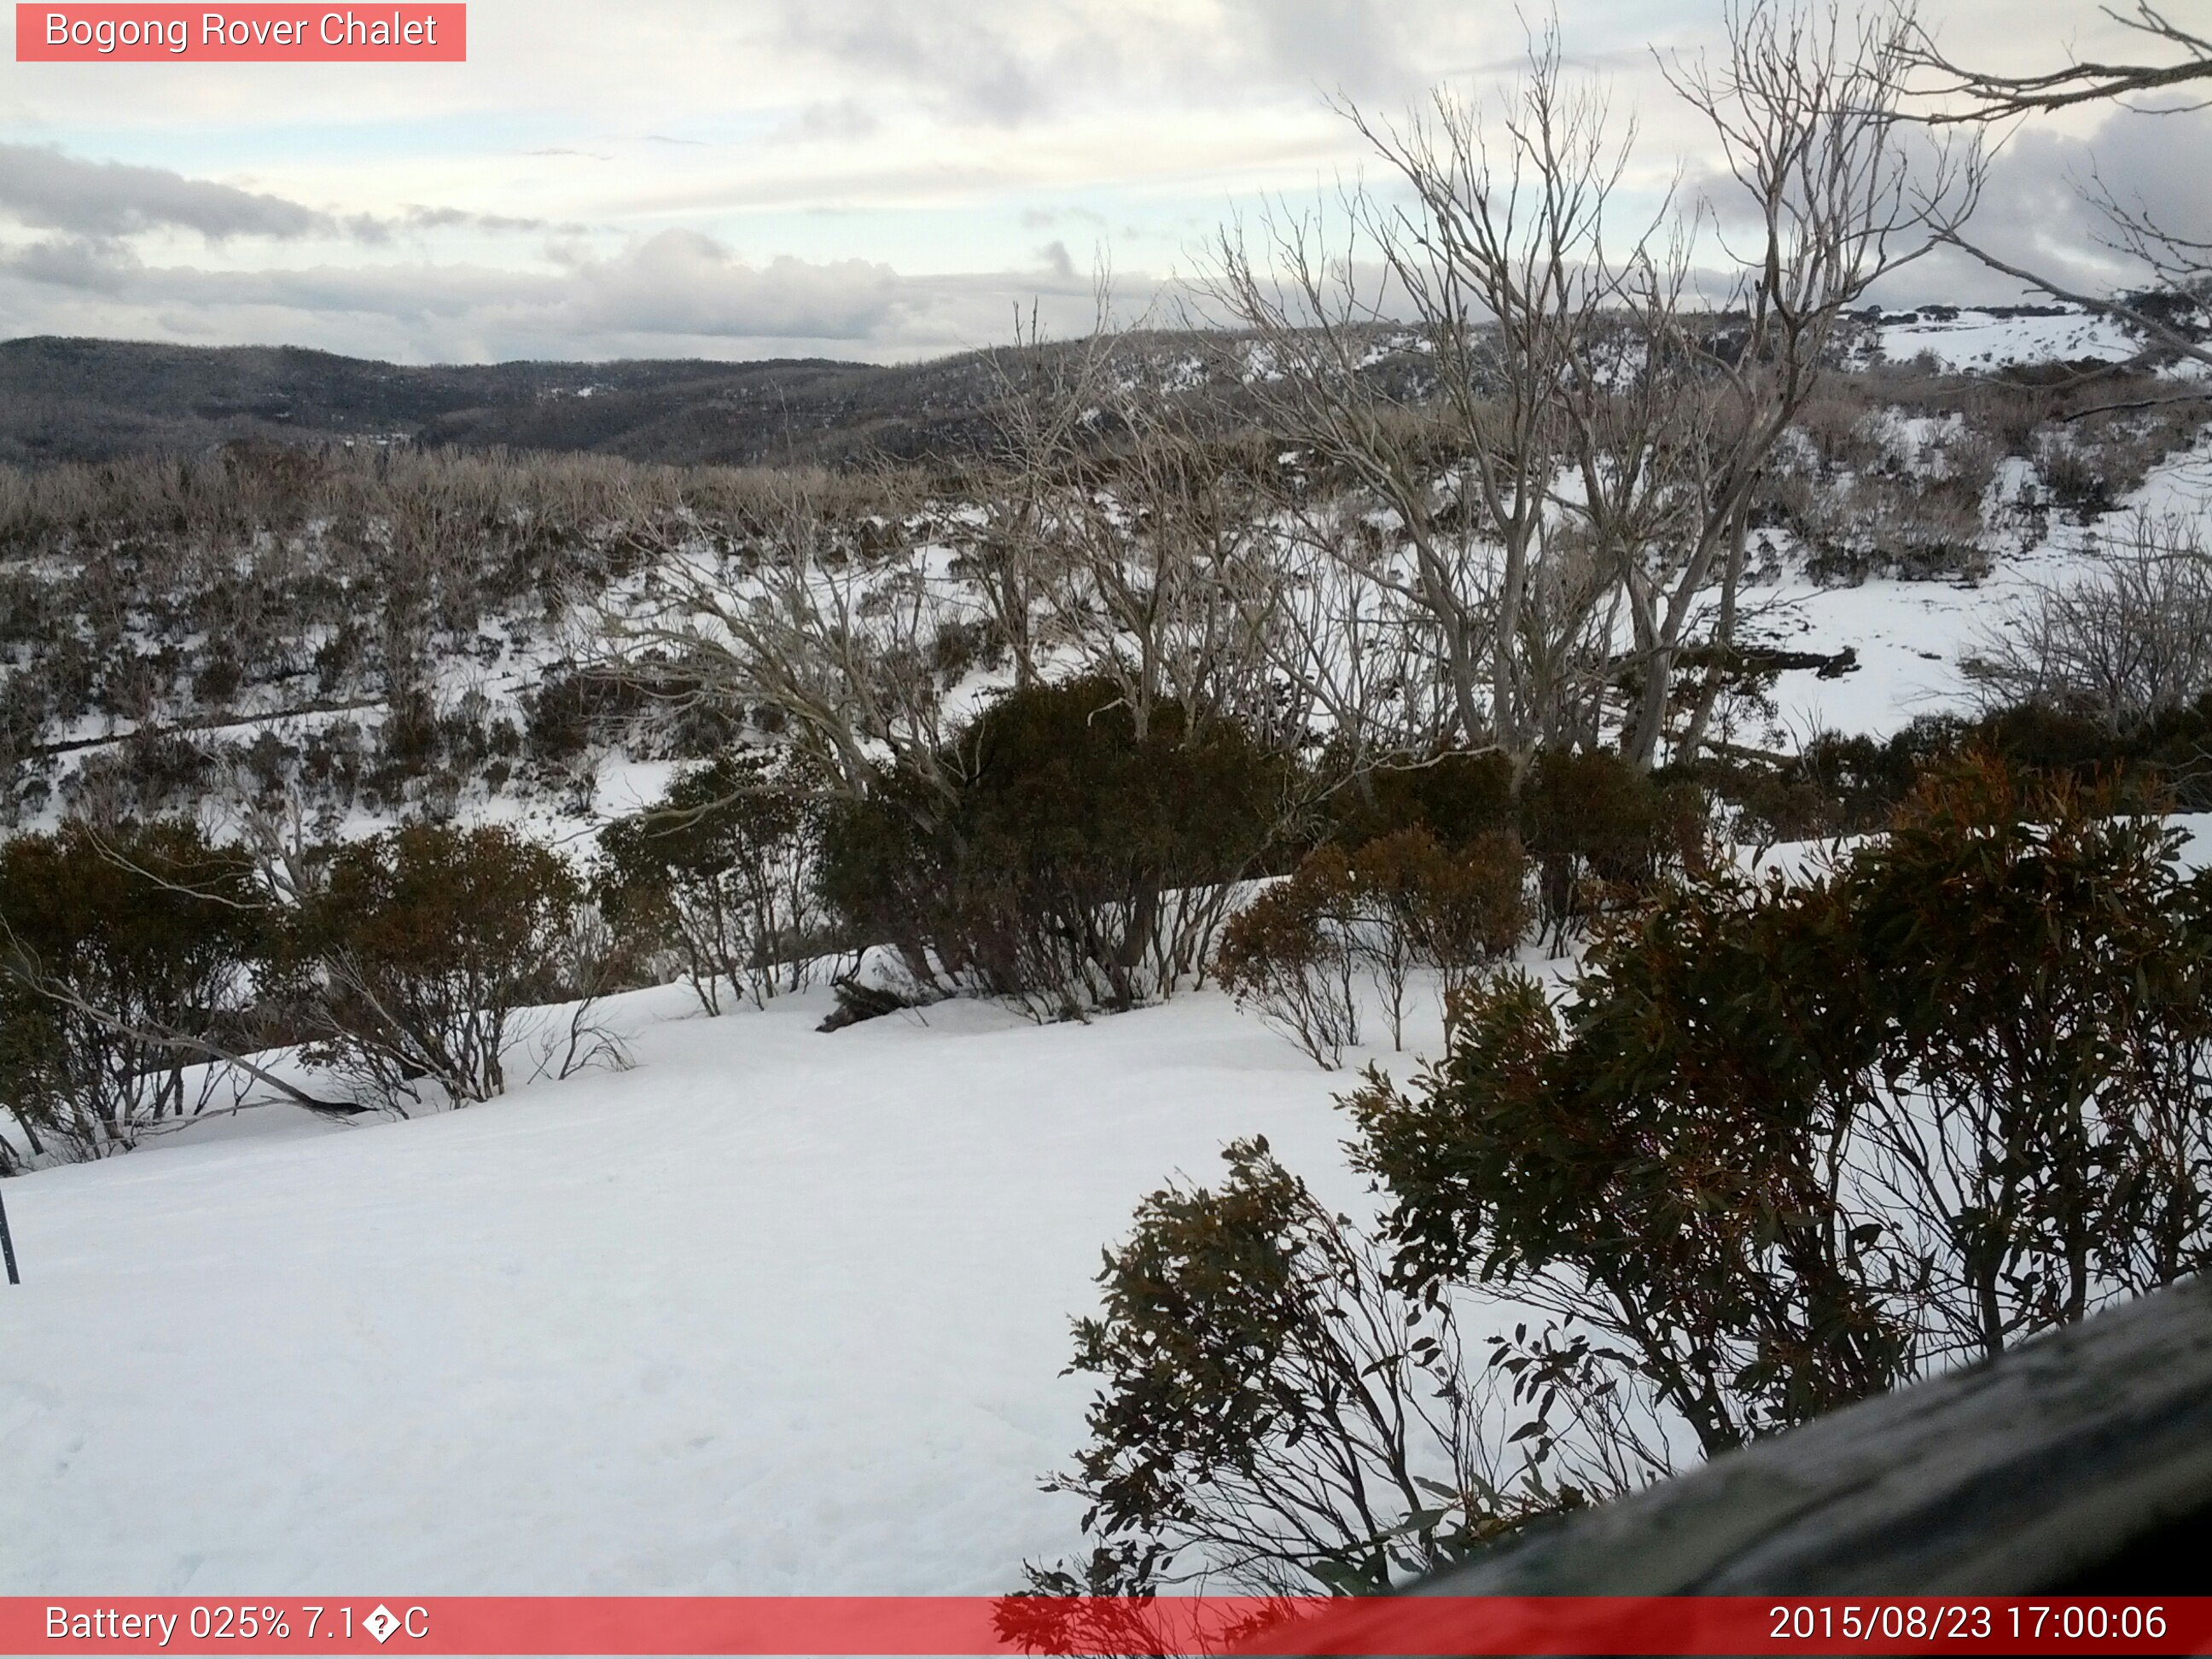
x,y
2126,639
834,639
1806,106
2179,262
1500,260
1589,432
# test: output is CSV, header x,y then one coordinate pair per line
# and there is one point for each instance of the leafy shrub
x,y
726,867
1596,826
1059,859
1455,795
1787,1146
419,947
1840,786
1272,1412
1400,903
1291,955
1454,910
572,710
125,960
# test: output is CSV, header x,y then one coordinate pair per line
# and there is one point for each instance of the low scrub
x,y
1399,903
410,958
126,968
724,870
1059,858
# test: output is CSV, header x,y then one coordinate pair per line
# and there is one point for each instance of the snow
x,y
773,1312
1968,339
1912,636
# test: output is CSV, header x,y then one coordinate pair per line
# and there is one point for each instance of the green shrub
x,y
414,954
1454,910
1401,902
123,954
724,867
1065,862
1596,826
1455,796
1786,1145
1272,1412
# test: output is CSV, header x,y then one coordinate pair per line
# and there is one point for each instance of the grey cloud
x,y
682,283
999,62
676,293
1054,257
2036,212
956,55
47,189
1045,218
1357,46
89,265
844,118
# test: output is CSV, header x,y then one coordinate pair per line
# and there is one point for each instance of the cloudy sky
x,y
861,179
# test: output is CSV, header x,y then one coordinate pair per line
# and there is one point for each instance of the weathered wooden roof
x,y
2080,1461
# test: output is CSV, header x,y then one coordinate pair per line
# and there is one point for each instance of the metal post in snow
x,y
8,1245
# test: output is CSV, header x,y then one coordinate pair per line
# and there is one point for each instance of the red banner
x,y
258,33
1203,1625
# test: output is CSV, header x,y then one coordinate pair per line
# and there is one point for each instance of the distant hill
x,y
94,400
81,399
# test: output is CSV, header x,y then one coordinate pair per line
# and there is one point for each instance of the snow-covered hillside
x,y
1910,637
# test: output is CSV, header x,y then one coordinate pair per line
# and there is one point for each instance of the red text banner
x,y
1212,1624
258,33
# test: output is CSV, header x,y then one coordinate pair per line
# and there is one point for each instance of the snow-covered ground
x,y
773,1312
1969,338
1912,636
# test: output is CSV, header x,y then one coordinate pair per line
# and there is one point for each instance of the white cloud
x,y
674,294
887,170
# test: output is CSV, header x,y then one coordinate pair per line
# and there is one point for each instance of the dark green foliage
x,y
724,868
2039,974
1453,906
1594,825
1851,785
1455,796
412,957
121,951
1268,1406
1787,1146
1060,859
568,711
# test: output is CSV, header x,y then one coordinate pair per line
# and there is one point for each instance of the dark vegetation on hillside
x,y
94,400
